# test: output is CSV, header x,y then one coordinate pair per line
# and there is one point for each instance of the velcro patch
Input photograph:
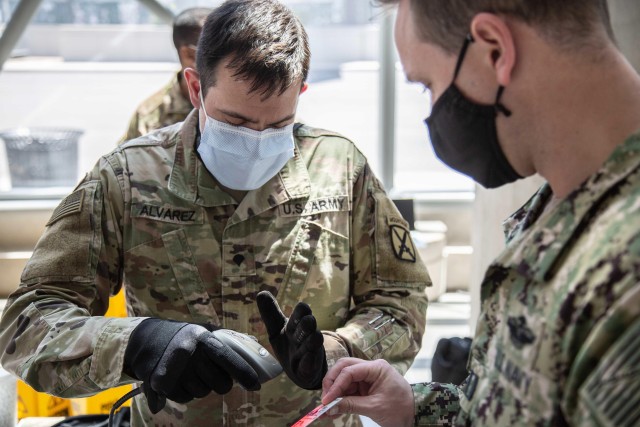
x,y
610,392
72,204
401,241
315,206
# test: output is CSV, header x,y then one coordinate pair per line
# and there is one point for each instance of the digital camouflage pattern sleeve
x,y
558,337
556,342
435,404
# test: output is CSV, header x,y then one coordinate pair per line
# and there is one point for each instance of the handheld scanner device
x,y
265,365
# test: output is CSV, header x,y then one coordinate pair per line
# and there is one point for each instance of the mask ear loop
x,y
202,101
463,51
498,106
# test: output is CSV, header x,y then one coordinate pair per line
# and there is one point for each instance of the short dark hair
x,y
188,25
567,23
264,41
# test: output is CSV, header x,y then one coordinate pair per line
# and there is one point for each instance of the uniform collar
x,y
555,230
191,180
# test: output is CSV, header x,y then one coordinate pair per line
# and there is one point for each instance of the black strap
x,y
500,108
463,52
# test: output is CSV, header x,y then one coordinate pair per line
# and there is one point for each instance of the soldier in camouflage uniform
x,y
558,338
171,104
153,218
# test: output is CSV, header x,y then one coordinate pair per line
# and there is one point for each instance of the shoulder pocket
x,y
397,259
70,245
610,392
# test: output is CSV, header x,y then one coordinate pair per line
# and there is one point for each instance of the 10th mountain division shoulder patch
x,y
401,241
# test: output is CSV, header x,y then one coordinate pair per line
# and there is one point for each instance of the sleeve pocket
x,y
70,245
610,394
397,259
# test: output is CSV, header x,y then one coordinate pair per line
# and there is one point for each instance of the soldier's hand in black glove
x,y
297,343
182,361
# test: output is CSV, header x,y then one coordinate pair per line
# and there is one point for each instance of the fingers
x,y
209,375
222,383
312,367
352,405
342,377
231,362
307,326
271,314
193,386
371,388
177,356
300,312
155,401
311,356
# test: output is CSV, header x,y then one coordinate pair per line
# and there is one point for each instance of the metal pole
x,y
16,26
387,99
159,10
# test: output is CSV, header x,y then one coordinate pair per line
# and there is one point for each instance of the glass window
x,y
85,65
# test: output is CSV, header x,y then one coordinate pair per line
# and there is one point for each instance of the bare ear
x,y
304,88
494,34
193,83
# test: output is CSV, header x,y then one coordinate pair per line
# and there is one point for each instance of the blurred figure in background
x,y
171,104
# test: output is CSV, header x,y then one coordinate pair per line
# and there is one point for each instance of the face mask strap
x,y
202,101
463,52
500,108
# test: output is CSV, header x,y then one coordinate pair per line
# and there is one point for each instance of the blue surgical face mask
x,y
241,158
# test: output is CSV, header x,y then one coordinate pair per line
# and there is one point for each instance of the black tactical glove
x,y
182,361
449,362
297,343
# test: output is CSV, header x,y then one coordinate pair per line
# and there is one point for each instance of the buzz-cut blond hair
x,y
569,24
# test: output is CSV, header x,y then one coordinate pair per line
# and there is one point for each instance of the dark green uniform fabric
x,y
558,338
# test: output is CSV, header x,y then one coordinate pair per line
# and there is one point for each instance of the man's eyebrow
x,y
289,117
246,119
238,116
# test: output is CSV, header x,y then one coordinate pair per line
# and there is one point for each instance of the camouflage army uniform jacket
x,y
164,108
558,338
151,217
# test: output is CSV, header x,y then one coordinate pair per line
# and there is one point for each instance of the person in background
x,y
520,87
171,104
200,221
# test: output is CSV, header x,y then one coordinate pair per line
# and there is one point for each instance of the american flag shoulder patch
x,y
70,205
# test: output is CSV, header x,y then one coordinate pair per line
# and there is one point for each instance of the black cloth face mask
x,y
463,134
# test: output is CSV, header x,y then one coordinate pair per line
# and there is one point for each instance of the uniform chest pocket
x,y
318,274
163,280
